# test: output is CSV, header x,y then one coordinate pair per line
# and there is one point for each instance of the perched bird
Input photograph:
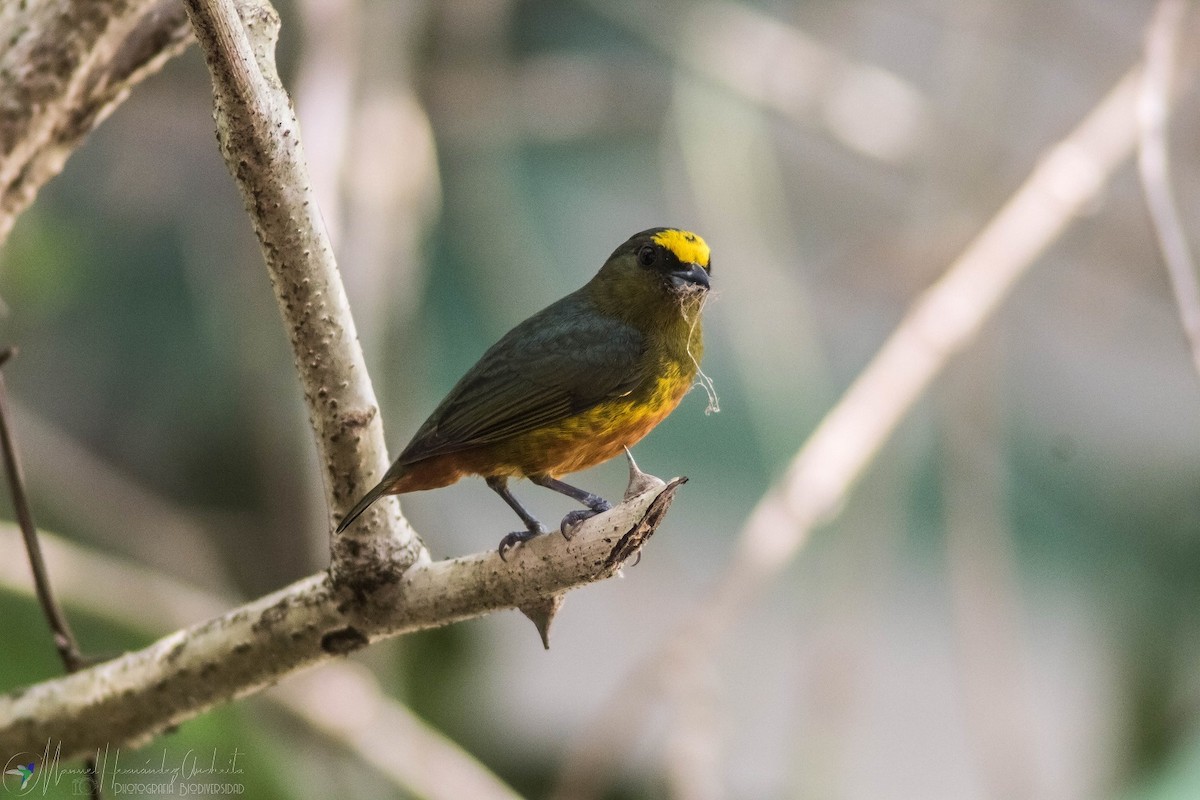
x,y
571,386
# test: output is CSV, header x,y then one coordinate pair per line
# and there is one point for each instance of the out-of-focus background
x,y
1008,604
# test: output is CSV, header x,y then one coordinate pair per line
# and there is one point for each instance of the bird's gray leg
x,y
594,502
533,527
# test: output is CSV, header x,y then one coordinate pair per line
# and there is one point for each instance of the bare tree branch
x,y
132,698
66,65
260,140
115,587
133,520
387,735
1153,107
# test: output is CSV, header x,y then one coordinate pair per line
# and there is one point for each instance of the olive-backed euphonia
x,y
571,386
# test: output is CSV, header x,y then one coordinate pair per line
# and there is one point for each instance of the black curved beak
x,y
692,273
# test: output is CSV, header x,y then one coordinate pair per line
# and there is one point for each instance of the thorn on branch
x,y
629,545
541,614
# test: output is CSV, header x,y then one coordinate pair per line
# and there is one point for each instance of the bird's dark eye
x,y
647,256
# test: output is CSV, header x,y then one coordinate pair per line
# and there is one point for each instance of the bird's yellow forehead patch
x,y
687,246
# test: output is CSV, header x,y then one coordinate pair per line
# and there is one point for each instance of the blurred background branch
x,y
132,519
1154,114
938,326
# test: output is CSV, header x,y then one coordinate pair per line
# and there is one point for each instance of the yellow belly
x,y
593,436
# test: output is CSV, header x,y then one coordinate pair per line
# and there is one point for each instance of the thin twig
x,y
1153,107
64,637
940,324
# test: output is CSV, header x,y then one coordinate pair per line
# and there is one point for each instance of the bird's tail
x,y
370,497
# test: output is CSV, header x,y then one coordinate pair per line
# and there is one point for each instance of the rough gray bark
x,y
260,140
64,66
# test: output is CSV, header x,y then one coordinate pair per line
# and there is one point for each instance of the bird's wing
x,y
557,363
